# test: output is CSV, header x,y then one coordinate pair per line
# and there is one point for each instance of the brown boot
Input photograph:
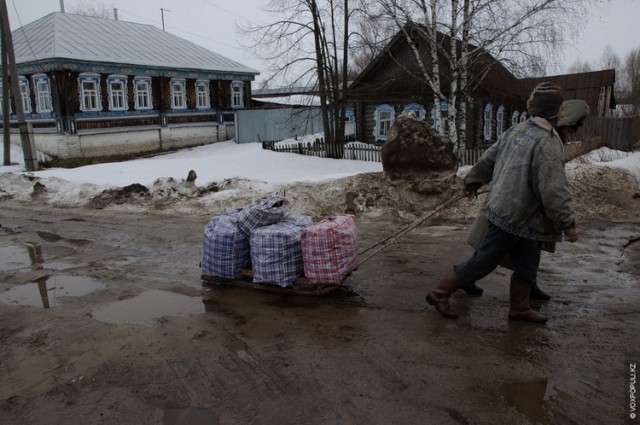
x,y
439,295
520,308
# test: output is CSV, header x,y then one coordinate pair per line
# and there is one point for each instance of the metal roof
x,y
64,38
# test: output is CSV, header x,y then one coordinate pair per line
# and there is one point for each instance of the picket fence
x,y
355,151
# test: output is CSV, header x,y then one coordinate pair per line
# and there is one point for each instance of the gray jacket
x,y
529,194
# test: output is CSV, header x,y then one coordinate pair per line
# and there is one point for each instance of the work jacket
x,y
529,194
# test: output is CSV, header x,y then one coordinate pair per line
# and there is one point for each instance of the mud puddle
x,y
148,308
48,289
528,398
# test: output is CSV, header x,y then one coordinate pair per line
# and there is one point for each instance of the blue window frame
x,y
523,116
488,117
117,87
178,94
142,93
89,92
25,93
236,94
42,87
203,100
499,121
417,108
515,118
383,117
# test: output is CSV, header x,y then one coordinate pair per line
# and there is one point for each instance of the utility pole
x,y
26,131
162,10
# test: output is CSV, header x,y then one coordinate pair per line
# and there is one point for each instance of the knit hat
x,y
545,100
572,113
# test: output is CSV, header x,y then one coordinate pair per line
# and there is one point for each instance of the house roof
x,y
84,43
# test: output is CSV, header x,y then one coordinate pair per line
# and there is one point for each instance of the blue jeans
x,y
496,245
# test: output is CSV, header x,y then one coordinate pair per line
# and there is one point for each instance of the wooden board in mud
x,y
300,286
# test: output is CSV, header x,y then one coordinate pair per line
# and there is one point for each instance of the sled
x,y
300,286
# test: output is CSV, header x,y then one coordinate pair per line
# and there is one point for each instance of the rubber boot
x,y
439,295
520,308
538,294
472,289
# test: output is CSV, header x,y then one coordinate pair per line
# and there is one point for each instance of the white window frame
x,y
118,99
178,94
523,116
25,93
237,99
499,121
92,95
42,87
142,94
418,108
488,117
515,118
203,99
383,116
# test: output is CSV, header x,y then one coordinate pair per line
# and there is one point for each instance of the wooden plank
x,y
300,286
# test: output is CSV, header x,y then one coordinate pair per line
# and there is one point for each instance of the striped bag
x,y
276,252
226,251
329,249
263,212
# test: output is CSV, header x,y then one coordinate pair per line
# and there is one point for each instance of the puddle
x,y
46,291
147,307
189,416
528,397
14,258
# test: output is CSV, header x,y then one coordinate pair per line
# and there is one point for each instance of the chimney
x,y
115,13
62,6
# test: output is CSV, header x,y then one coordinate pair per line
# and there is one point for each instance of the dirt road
x,y
130,336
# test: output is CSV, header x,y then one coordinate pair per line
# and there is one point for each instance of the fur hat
x,y
572,113
545,100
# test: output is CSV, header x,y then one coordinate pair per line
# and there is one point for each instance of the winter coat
x,y
529,194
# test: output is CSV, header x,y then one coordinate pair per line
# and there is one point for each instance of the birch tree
x,y
308,46
520,34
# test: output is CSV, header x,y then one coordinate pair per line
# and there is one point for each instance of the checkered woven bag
x,y
329,249
276,253
263,212
226,249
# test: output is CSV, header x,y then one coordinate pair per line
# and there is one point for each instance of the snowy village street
x,y
132,337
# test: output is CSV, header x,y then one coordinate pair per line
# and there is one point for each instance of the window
x,y
523,116
202,95
488,117
142,93
178,94
236,94
89,89
43,94
515,117
117,85
383,116
25,94
499,121
417,108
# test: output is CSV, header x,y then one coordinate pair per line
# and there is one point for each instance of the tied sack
x,y
226,251
276,251
329,249
263,212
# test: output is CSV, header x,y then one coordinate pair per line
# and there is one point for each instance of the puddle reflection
x,y
47,289
528,397
148,307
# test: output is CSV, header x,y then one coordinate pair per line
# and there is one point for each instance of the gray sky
x,y
212,24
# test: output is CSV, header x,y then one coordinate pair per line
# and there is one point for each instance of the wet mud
x,y
105,320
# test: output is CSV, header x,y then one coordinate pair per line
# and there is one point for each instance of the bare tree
x,y
630,83
520,34
308,46
95,10
579,66
609,59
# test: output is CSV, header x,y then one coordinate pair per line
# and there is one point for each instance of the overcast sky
x,y
212,24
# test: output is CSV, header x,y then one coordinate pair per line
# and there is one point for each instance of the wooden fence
x,y
615,133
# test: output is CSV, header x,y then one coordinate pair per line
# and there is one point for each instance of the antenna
x,y
162,10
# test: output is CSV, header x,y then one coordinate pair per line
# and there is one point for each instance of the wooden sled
x,y
300,286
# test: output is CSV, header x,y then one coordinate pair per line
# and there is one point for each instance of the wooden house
x,y
97,88
391,84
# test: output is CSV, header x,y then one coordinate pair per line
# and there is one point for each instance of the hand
x,y
571,238
470,194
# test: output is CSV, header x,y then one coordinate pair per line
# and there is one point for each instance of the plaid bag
x,y
263,212
276,253
329,249
226,249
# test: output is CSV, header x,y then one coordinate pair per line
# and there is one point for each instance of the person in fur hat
x,y
529,203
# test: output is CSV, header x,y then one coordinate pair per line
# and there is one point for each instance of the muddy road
x,y
105,321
